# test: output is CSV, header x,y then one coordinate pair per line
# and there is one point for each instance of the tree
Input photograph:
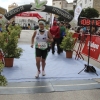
x,y
89,13
71,12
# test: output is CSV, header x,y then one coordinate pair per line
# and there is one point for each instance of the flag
x,y
52,18
77,12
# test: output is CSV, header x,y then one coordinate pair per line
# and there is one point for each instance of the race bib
x,y
42,45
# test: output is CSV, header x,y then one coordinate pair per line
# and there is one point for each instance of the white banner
x,y
52,19
77,12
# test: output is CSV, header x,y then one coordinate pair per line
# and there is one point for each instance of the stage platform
x,y
58,67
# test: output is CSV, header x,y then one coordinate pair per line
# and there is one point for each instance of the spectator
x,y
84,29
93,30
0,27
78,29
29,27
36,27
55,31
88,30
13,23
62,33
68,26
98,33
7,25
26,27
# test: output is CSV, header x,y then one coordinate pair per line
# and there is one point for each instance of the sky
x,y
5,3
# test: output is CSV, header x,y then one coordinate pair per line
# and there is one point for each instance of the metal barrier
x,y
80,45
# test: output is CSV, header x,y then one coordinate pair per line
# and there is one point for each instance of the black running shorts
x,y
41,53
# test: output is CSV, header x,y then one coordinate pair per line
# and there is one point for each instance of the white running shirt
x,y
41,40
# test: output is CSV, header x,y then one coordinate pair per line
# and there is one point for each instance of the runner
x,y
42,38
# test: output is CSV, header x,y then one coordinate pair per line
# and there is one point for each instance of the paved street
x,y
69,95
65,90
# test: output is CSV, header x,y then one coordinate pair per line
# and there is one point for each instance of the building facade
x,y
74,4
69,6
89,3
85,3
62,4
2,10
96,5
12,6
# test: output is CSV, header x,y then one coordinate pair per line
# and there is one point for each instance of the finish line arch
x,y
39,6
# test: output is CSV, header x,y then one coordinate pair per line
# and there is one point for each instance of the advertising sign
x,y
94,47
77,12
29,14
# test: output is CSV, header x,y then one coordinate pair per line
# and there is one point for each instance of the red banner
x,y
94,47
28,14
75,35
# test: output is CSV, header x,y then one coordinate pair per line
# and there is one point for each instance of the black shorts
x,y
41,53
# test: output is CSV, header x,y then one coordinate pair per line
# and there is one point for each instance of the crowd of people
x,y
87,30
6,26
58,31
47,39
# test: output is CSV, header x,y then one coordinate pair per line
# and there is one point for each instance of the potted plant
x,y
16,27
68,44
9,45
3,81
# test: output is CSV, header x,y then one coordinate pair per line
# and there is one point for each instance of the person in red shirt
x,y
55,31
